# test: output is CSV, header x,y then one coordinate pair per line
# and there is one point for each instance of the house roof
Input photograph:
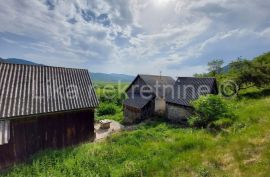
x,y
153,80
137,101
187,89
29,90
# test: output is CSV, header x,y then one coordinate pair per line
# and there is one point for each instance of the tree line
x,y
243,72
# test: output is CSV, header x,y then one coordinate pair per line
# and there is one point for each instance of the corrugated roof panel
x,y
137,101
27,90
187,89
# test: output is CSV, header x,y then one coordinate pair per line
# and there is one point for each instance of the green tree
x,y
211,111
250,73
215,66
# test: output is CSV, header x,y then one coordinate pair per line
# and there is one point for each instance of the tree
x,y
262,67
215,66
201,75
211,111
246,73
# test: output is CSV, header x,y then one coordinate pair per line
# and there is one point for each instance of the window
x,y
4,132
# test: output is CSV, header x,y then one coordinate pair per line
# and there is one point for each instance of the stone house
x,y
146,97
185,90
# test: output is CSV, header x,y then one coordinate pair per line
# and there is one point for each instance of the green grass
x,y
161,149
116,90
118,116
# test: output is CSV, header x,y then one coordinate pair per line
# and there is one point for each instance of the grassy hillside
x,y
161,149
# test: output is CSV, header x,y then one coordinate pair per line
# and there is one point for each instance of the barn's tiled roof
x,y
187,89
137,101
29,90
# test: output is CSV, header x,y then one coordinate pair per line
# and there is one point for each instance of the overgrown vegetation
x,y
160,149
241,148
106,109
243,73
252,73
111,96
211,111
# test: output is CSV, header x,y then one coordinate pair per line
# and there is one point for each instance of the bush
x,y
113,97
211,110
222,123
106,109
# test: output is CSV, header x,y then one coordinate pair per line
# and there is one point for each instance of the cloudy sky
x,y
177,37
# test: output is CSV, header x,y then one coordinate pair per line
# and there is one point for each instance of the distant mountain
x,y
112,77
225,69
2,60
19,61
99,77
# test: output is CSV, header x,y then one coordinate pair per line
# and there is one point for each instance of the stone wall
x,y
177,113
160,106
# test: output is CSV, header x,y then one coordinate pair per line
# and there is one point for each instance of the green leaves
x,y
208,109
106,109
248,73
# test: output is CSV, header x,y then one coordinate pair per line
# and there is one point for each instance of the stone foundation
x,y
177,113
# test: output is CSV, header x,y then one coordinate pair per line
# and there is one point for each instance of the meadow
x,y
163,149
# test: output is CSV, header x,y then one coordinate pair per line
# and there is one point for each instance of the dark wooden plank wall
x,y
135,115
31,134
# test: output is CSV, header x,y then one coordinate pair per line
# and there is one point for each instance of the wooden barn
x,y
146,97
187,89
43,107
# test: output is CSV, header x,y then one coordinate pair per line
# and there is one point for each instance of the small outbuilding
x,y
43,107
146,97
187,89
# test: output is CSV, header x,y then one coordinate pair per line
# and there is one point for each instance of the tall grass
x,y
161,149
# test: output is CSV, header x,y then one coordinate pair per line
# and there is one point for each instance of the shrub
x,y
222,123
112,97
211,110
106,109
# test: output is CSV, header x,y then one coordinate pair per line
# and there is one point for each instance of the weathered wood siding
x,y
31,134
131,114
134,115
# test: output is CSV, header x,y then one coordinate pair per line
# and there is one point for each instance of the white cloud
x,y
133,36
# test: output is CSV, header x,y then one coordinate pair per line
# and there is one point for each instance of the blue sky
x,y
136,36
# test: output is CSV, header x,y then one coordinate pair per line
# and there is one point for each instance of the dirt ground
x,y
103,133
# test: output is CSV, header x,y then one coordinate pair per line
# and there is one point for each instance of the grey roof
x,y
162,81
153,80
28,90
137,101
187,89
